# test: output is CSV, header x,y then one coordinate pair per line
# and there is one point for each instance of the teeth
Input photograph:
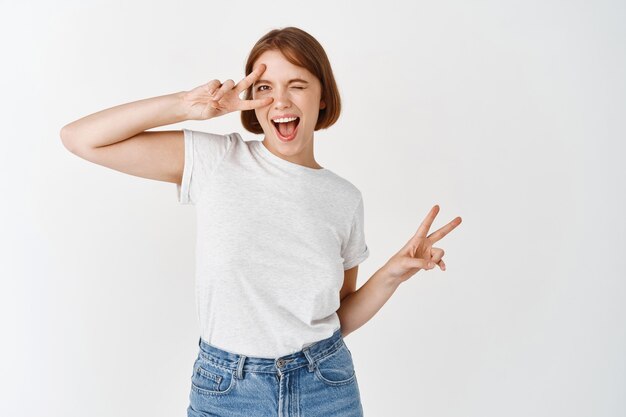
x,y
285,120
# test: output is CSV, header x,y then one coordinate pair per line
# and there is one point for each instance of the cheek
x,y
313,107
262,118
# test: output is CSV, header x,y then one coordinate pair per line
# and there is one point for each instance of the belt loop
x,y
309,358
242,359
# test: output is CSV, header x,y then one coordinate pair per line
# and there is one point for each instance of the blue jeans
x,y
317,381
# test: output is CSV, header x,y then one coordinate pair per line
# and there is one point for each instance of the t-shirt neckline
x,y
287,164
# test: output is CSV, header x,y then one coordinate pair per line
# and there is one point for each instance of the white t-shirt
x,y
273,240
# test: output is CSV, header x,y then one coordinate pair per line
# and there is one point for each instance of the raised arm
x,y
124,121
118,138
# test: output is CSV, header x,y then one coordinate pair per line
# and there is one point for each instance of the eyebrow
x,y
290,81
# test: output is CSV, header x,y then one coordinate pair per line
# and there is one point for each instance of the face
x,y
296,93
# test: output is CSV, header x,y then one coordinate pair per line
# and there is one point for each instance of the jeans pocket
x,y
336,368
210,378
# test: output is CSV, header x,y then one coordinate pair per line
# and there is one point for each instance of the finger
x,y
226,86
437,254
439,234
442,265
216,84
212,86
250,79
253,104
427,222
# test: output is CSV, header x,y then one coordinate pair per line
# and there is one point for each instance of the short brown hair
x,y
303,50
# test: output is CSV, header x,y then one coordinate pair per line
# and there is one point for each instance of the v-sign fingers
x,y
427,222
250,79
439,234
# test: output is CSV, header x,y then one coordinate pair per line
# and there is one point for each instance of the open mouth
x,y
286,131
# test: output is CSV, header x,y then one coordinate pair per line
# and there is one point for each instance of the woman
x,y
279,236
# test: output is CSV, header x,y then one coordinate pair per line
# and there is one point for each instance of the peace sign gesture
x,y
419,253
215,99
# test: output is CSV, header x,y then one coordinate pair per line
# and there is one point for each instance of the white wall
x,y
509,114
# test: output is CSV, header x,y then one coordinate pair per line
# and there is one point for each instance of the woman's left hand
x,y
419,252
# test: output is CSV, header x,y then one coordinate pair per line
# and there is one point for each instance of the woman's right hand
x,y
215,99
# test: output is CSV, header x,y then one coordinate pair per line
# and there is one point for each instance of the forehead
x,y
277,66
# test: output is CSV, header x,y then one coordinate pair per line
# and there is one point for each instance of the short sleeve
x,y
355,250
203,154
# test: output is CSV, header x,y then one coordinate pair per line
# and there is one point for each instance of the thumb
x,y
420,263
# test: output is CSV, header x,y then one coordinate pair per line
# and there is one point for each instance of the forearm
x,y
124,121
359,307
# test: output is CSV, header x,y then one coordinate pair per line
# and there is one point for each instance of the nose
x,y
281,98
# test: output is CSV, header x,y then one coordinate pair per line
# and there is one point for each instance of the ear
x,y
322,104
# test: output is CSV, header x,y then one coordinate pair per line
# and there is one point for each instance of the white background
x,y
509,114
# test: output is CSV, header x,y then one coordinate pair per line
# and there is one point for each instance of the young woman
x,y
279,236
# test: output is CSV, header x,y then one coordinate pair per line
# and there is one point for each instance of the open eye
x,y
259,87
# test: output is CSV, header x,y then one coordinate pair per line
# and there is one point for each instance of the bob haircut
x,y
305,51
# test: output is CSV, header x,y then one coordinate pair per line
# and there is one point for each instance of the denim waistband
x,y
306,357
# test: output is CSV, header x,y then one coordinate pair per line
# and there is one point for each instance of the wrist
x,y
386,276
182,106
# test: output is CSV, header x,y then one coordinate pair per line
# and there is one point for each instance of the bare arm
x,y
121,122
124,121
418,254
359,307
349,282
118,138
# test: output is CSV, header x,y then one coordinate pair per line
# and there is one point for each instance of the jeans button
x,y
280,363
